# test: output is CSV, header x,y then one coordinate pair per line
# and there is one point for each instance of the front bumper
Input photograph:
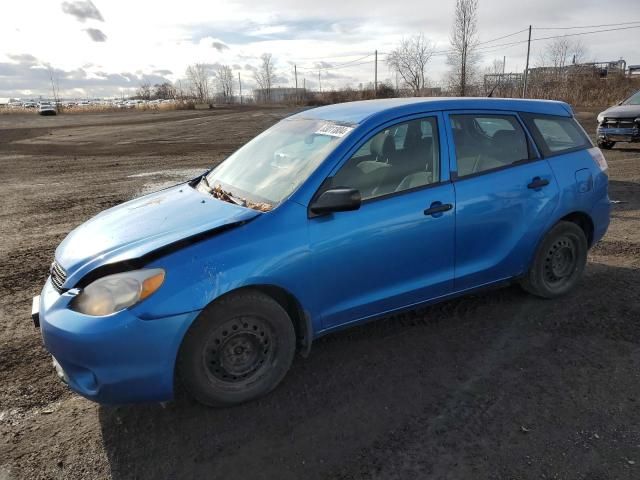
x,y
618,134
115,359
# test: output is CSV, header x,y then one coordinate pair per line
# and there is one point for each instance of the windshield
x,y
270,167
633,99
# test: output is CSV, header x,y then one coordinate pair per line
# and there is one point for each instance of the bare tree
x,y
463,56
562,52
55,86
199,79
410,59
164,91
224,81
265,77
144,91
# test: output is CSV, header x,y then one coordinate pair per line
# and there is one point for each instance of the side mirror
x,y
339,199
620,102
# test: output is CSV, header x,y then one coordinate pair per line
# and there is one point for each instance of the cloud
x,y
82,10
220,46
163,72
96,34
26,76
24,58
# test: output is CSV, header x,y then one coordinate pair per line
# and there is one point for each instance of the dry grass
x,y
586,91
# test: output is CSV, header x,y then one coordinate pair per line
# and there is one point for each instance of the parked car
x,y
46,108
620,123
333,217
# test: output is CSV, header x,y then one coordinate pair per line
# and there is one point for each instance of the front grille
x,y
619,123
58,276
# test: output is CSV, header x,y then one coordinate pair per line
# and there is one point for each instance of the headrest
x,y
383,146
510,143
505,136
414,135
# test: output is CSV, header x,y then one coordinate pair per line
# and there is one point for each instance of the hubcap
x,y
560,261
238,349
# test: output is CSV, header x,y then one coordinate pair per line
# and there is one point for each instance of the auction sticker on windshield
x,y
333,130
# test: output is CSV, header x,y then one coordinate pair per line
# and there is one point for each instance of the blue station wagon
x,y
333,217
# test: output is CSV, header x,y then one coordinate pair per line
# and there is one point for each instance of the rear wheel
x,y
559,262
239,349
606,144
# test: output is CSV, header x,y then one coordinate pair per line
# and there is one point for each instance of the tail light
x,y
598,157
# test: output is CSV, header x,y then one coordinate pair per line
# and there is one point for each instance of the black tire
x,y
238,349
606,145
558,263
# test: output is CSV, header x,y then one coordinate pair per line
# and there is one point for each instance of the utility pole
x,y
526,69
375,78
504,62
319,82
240,85
295,72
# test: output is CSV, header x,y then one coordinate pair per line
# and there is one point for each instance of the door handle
x,y
538,182
438,207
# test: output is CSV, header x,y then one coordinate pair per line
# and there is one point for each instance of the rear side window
x,y
555,135
487,142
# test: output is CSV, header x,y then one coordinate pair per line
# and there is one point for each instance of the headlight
x,y
600,117
113,293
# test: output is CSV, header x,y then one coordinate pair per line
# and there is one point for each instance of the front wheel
x,y
558,263
238,349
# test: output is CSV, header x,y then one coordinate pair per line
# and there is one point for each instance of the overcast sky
x,y
107,47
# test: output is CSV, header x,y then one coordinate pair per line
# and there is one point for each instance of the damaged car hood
x,y
144,225
622,111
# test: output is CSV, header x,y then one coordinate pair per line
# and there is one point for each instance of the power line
x,y
338,65
586,26
484,46
332,57
520,42
368,62
583,33
504,36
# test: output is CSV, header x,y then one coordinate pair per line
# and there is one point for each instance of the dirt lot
x,y
493,386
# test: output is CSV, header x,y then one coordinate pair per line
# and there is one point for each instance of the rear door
x,y
505,195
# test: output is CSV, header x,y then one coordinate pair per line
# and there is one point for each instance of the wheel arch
x,y
584,221
299,317
580,218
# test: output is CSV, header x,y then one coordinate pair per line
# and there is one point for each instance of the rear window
x,y
556,135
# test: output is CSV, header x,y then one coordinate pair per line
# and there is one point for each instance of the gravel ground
x,y
498,385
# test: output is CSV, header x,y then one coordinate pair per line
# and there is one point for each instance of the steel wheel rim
x,y
239,350
560,262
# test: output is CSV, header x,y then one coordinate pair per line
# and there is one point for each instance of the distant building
x,y
634,70
589,69
506,80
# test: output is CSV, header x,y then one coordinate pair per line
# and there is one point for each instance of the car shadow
x,y
365,394
625,192
632,148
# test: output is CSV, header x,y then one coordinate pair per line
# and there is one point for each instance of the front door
x,y
398,248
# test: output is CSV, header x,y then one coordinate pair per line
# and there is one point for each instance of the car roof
x,y
388,108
